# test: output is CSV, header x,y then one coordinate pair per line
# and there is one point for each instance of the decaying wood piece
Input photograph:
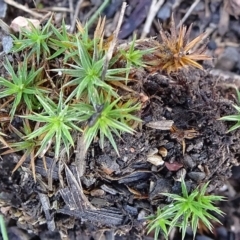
x,y
80,154
46,206
40,169
73,194
77,204
108,217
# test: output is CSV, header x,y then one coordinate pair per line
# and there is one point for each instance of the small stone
x,y
180,175
163,151
188,161
142,215
132,150
7,43
3,9
97,192
22,22
155,160
197,176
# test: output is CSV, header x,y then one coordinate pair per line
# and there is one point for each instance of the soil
x,y
112,194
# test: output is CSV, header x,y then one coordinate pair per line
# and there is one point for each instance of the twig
x,y
154,8
58,9
188,13
24,8
113,42
97,13
71,9
75,16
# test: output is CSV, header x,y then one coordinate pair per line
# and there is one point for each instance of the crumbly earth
x,y
120,190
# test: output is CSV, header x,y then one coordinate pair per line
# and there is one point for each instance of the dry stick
x,y
58,9
154,8
80,154
97,13
24,8
113,42
188,13
75,16
71,9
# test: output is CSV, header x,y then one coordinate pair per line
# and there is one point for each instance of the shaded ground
x,y
112,194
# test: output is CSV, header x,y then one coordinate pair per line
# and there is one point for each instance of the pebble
x,y
188,161
180,174
155,160
21,22
3,9
7,43
197,176
97,192
142,215
163,151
